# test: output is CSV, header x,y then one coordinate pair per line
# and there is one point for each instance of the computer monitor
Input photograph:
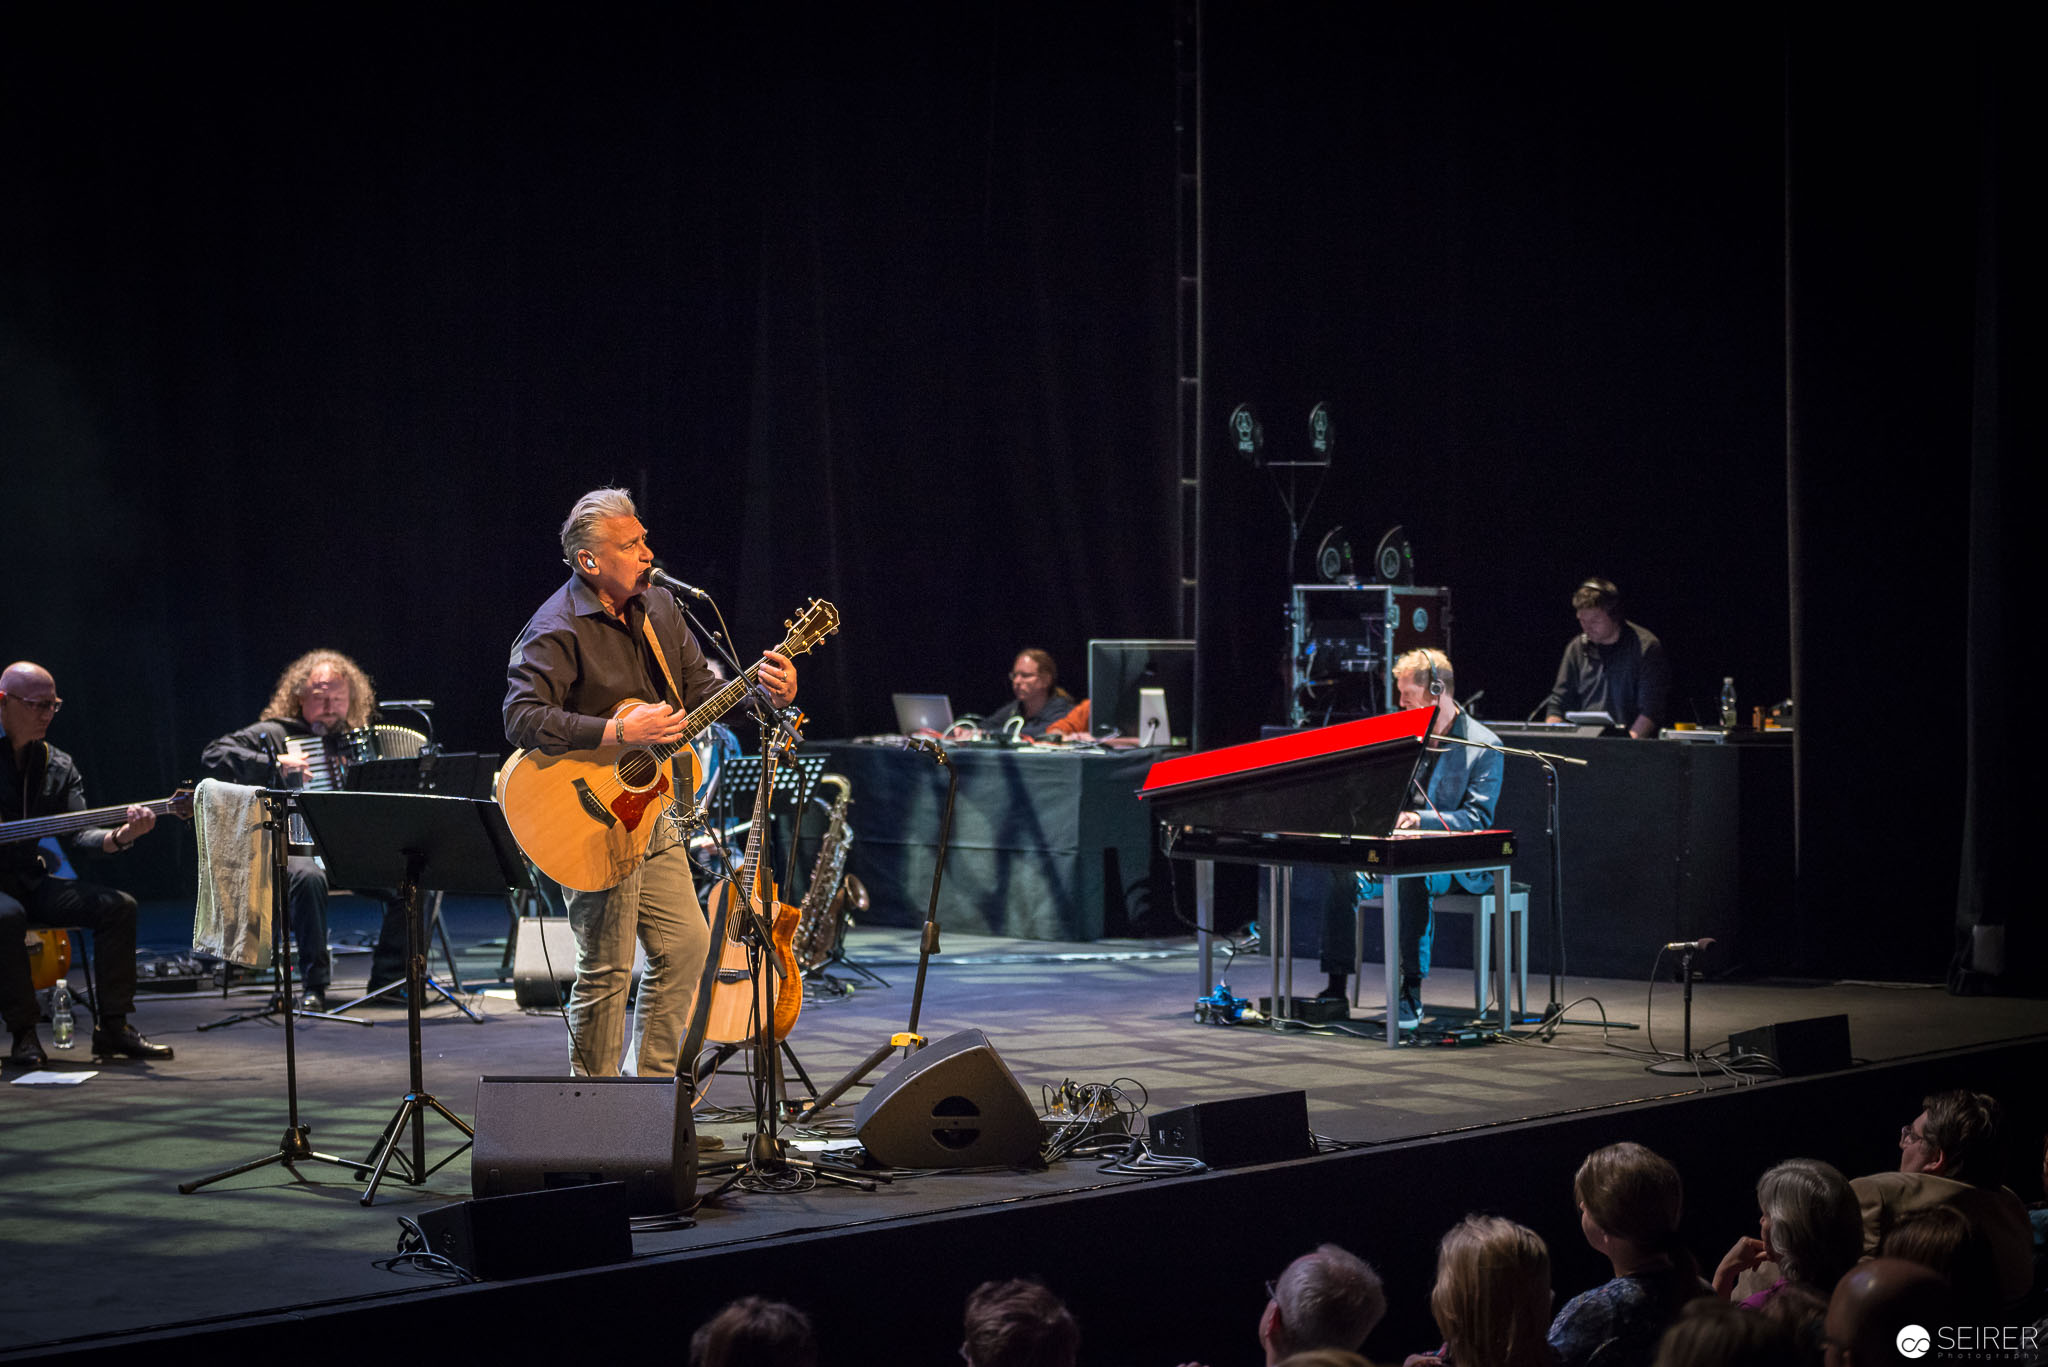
x,y
1117,670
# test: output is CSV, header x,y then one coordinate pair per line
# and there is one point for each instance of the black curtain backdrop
x,y
312,339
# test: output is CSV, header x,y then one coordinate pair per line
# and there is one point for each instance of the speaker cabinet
x,y
536,1133
1269,1128
953,1104
544,962
1819,1044
535,1232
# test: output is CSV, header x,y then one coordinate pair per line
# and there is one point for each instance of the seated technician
x,y
1611,666
1036,695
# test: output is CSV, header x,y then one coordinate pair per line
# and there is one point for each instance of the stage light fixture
x,y
1247,435
1322,432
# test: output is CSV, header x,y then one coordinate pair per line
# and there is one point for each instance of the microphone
x,y
675,585
1689,946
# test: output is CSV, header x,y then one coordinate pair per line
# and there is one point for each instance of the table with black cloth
x,y
1047,844
1663,840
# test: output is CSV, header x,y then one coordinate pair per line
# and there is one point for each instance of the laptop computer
x,y
917,712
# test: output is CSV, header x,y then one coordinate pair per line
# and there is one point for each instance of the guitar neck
x,y
710,710
36,827
757,833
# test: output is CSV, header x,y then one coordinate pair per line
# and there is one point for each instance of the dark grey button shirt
x,y
574,663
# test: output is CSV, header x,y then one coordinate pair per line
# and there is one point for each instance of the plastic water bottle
x,y
1728,704
61,1024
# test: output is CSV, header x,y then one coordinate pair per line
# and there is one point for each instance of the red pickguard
x,y
629,807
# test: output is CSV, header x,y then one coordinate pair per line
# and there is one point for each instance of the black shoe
x,y
28,1050
313,1001
1337,990
123,1042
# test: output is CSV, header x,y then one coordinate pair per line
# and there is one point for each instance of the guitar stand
x,y
296,1145
767,1161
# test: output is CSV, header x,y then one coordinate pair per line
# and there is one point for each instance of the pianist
x,y
1458,790
322,693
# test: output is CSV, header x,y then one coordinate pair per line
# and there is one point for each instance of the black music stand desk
x,y
415,842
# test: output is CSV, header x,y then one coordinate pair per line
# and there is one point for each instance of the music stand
x,y
297,1144
415,841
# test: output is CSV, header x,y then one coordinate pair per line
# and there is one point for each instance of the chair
x,y
1480,908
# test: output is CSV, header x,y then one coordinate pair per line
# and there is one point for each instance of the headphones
x,y
1436,685
1609,599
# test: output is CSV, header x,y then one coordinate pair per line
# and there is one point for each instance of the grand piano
x,y
1327,797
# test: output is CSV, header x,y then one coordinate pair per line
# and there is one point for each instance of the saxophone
x,y
823,917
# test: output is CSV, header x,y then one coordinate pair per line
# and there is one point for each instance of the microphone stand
x,y
1688,1064
928,945
1553,1014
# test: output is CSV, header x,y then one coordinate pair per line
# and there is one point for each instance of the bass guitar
x,y
584,817
49,951
739,998
178,804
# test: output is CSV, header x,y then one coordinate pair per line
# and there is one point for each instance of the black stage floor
x,y
100,1244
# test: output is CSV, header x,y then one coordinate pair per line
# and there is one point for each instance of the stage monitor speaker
x,y
953,1104
1268,1128
535,1232
544,962
1819,1044
534,1133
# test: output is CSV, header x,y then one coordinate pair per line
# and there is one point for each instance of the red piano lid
x,y
1254,756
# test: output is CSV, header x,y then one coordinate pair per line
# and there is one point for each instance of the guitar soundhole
x,y
638,768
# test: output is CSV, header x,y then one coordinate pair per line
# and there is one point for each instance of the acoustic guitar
x,y
584,817
739,997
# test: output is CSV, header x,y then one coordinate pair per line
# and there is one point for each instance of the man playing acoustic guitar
x,y
591,647
38,779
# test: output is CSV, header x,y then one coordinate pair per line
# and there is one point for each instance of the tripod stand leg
x,y
387,1147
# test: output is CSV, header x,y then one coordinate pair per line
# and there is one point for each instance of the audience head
x,y
1874,1302
754,1331
1018,1323
1945,1239
1330,1298
1492,1296
1628,1194
1954,1136
1711,1332
1810,1221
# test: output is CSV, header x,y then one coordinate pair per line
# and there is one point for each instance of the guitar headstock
x,y
181,803
818,620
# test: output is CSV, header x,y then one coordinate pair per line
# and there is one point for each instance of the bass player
x,y
599,641
38,779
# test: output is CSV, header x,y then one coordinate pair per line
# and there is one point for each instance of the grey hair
x,y
1330,1298
579,533
1816,1224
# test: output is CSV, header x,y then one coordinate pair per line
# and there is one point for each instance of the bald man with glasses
x,y
38,779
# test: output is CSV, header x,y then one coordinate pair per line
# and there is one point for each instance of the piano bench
x,y
1480,908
